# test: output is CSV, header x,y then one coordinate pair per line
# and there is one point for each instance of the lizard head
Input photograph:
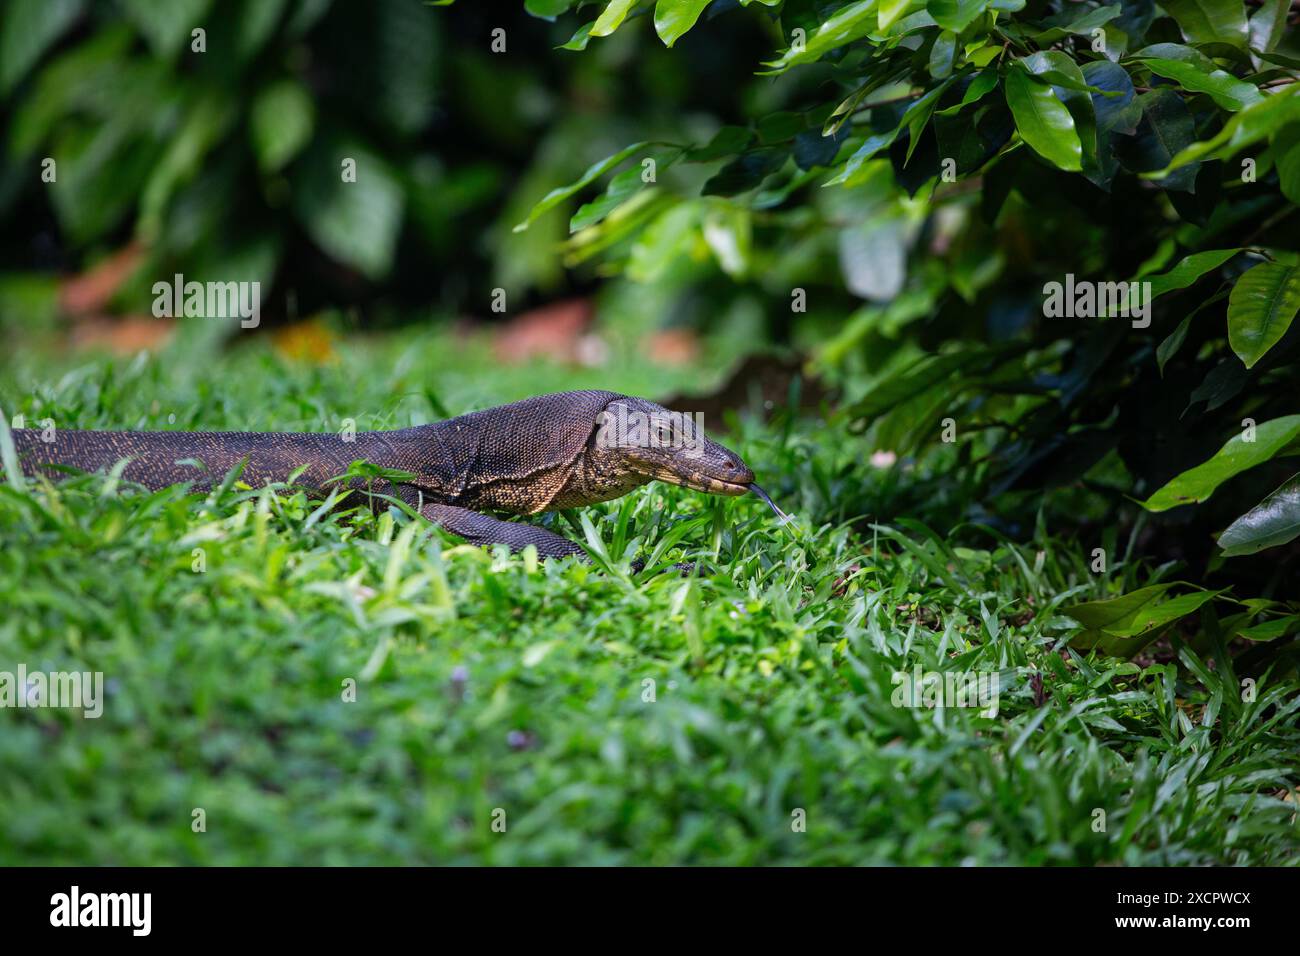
x,y
669,446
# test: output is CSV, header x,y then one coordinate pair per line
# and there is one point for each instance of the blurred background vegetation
x,y
811,173
224,164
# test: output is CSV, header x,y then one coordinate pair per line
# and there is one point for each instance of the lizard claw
x,y
686,568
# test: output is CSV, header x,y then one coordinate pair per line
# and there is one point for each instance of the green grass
x,y
487,682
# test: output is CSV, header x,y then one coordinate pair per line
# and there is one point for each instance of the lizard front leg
x,y
485,530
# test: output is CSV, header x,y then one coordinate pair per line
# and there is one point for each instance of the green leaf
x,y
1156,614
1167,126
1087,21
101,173
1271,630
399,84
1122,626
1170,346
872,145
581,37
594,172
727,231
1260,309
665,240
956,15
982,85
1116,109
166,26
873,258
612,17
780,127
848,24
1267,25
79,80
534,654
621,188
941,55
745,172
204,125
1116,115
280,123
1210,21
29,28
1274,521
1072,89
814,148
1098,615
971,141
355,222
1043,121
9,456
924,375
1237,455
1286,157
1249,126
674,17
727,141
1226,90
1060,70
257,22
624,223
889,11
547,9
918,114
1187,270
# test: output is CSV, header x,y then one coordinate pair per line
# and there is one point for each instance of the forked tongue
x,y
770,503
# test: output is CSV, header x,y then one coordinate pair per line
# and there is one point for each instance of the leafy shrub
x,y
945,161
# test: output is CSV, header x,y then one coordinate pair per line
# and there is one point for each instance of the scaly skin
x,y
540,454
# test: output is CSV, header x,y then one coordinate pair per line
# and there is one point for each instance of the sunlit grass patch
x,y
333,686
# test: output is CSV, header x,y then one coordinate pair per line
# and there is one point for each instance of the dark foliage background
x,y
214,160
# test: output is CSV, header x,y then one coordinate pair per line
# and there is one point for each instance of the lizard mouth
x,y
697,481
